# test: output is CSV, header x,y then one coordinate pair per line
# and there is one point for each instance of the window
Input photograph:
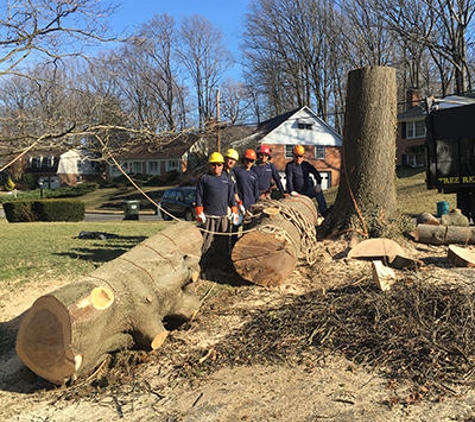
x,y
172,165
50,161
305,124
137,167
416,129
288,151
153,167
319,152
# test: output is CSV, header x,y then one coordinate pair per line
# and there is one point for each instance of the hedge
x,y
46,210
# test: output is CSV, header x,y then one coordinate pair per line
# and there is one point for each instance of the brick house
x,y
172,153
410,145
300,126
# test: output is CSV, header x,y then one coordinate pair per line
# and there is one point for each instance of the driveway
x,y
117,217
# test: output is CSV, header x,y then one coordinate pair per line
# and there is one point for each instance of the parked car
x,y
180,202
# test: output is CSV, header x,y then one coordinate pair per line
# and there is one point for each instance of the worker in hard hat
x,y
247,182
231,157
299,181
214,196
267,173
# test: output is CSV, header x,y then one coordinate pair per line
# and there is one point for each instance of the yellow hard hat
x,y
232,153
216,157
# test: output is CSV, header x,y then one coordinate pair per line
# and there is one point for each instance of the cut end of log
x,y
159,340
263,258
102,298
44,338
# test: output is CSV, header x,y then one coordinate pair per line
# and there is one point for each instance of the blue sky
x,y
226,16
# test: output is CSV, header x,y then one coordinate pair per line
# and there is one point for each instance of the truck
x,y
450,146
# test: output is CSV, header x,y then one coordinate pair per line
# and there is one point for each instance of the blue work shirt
x,y
265,173
215,194
298,177
248,189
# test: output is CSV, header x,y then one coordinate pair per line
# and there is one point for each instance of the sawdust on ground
x,y
333,389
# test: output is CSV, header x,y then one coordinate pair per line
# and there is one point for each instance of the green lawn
x,y
413,196
33,250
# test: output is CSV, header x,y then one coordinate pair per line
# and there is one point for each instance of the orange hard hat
x,y
298,150
251,154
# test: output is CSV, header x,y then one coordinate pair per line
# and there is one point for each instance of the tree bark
x,y
366,199
282,234
121,304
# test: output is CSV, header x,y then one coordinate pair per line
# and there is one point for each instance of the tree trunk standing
x,y
366,198
123,303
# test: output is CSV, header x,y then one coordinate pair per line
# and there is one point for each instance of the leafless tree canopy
x,y
164,78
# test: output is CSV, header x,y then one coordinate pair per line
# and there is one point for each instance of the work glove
x,y
293,193
242,210
201,218
318,188
234,216
200,215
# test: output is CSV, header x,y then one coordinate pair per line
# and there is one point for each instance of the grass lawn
x,y
33,250
413,196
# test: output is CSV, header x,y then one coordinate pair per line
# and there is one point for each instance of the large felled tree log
x,y
283,233
443,235
121,304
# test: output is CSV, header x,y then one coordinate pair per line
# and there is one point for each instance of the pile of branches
x,y
421,332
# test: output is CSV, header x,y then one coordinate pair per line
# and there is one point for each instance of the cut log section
x,y
282,233
121,304
461,257
385,250
384,277
443,235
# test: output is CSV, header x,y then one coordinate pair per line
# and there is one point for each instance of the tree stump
x,y
273,243
121,304
366,204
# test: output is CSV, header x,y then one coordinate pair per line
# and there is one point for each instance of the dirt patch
x,y
261,354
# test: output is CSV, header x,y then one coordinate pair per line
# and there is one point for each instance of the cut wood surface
x,y
119,305
282,233
443,235
461,256
384,277
386,250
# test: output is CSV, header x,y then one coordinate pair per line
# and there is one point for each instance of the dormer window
x,y
305,124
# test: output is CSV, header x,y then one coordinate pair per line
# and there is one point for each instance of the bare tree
x,y
235,104
202,53
442,26
51,29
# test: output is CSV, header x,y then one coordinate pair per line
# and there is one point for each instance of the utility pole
x,y
218,131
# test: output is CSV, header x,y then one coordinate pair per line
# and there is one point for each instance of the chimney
x,y
412,97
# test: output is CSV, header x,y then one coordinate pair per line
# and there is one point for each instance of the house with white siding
x,y
299,127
